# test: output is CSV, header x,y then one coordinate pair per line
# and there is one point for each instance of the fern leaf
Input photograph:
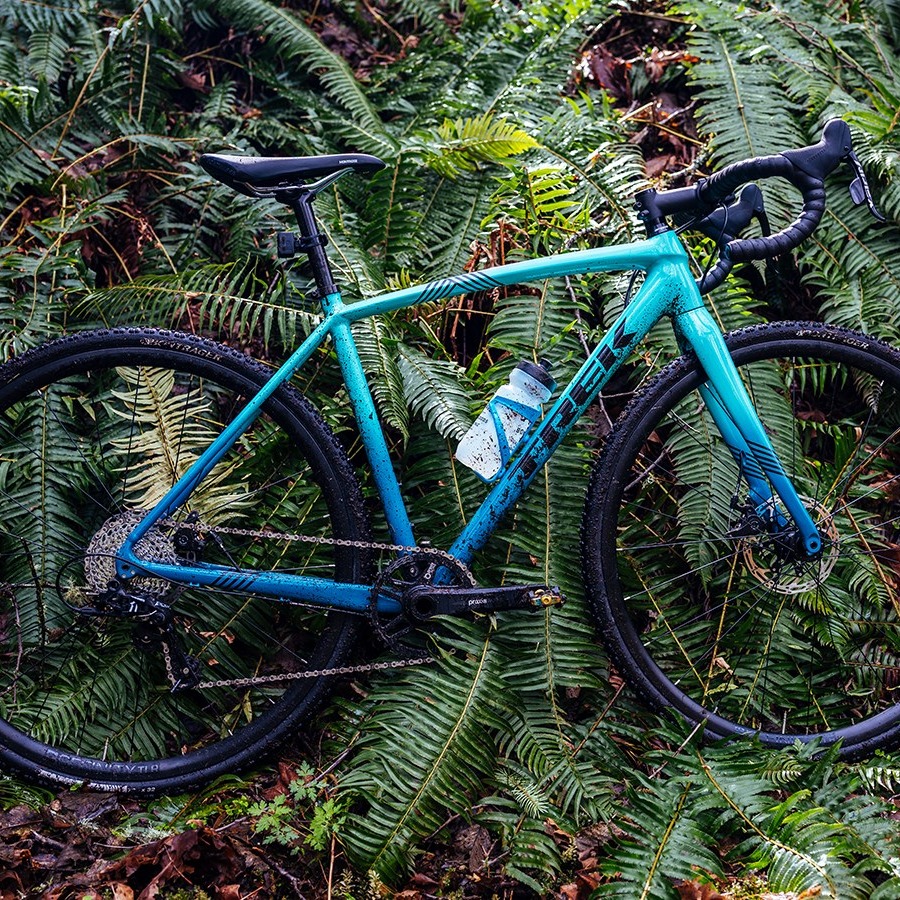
x,y
426,750
460,144
433,391
290,34
666,844
46,54
377,349
743,109
533,856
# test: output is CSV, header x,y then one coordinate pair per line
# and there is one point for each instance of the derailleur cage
x,y
187,541
182,669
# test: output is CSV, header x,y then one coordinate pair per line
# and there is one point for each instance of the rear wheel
x,y
94,429
706,609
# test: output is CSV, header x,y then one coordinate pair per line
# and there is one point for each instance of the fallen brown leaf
x,y
694,890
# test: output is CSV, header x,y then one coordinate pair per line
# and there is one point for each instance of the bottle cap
x,y
540,373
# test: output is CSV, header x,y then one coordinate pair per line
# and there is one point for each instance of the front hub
x,y
779,558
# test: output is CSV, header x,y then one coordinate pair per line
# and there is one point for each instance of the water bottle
x,y
508,417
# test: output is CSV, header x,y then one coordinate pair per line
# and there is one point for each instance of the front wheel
x,y
173,685
707,609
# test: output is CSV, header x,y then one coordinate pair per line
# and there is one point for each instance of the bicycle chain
x,y
306,538
292,676
313,673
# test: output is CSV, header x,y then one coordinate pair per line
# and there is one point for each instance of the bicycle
x,y
188,558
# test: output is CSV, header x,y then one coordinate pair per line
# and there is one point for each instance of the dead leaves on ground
x,y
640,62
70,849
199,857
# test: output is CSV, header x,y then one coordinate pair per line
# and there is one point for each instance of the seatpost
x,y
312,242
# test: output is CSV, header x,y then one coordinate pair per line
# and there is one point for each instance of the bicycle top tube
x,y
644,255
662,256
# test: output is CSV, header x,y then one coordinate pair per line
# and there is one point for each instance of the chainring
x,y
403,632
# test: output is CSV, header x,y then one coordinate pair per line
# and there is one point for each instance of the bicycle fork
x,y
732,410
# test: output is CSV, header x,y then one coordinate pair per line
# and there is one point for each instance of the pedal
x,y
543,596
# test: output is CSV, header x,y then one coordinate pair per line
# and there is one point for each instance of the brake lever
x,y
728,221
859,187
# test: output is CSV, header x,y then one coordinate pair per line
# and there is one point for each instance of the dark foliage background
x,y
510,130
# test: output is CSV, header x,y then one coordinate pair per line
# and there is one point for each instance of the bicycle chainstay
x,y
361,668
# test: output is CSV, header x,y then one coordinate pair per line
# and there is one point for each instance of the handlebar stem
x,y
654,206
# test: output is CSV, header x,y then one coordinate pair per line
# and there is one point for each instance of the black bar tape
x,y
715,276
805,168
723,183
714,189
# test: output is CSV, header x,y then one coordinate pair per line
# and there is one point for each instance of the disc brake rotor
x,y
787,576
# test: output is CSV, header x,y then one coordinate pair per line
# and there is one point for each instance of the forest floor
x,y
246,843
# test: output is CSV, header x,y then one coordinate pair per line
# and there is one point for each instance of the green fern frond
x,y
802,843
743,109
434,392
229,298
879,773
534,858
291,36
161,442
426,750
528,794
574,765
46,54
377,344
666,843
459,145
452,222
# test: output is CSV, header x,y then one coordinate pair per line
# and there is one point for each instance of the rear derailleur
x,y
154,631
182,669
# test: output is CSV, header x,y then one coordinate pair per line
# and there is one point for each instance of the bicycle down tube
x,y
668,290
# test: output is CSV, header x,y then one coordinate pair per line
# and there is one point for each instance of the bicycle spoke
x,y
105,440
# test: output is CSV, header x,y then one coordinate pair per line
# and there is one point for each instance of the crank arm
x,y
424,601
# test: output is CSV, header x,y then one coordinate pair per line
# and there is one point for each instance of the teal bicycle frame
x,y
668,290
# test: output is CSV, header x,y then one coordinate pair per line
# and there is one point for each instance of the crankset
x,y
427,583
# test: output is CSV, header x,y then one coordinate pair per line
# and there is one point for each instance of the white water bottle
x,y
508,417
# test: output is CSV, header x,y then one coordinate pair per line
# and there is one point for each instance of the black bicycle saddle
x,y
264,175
